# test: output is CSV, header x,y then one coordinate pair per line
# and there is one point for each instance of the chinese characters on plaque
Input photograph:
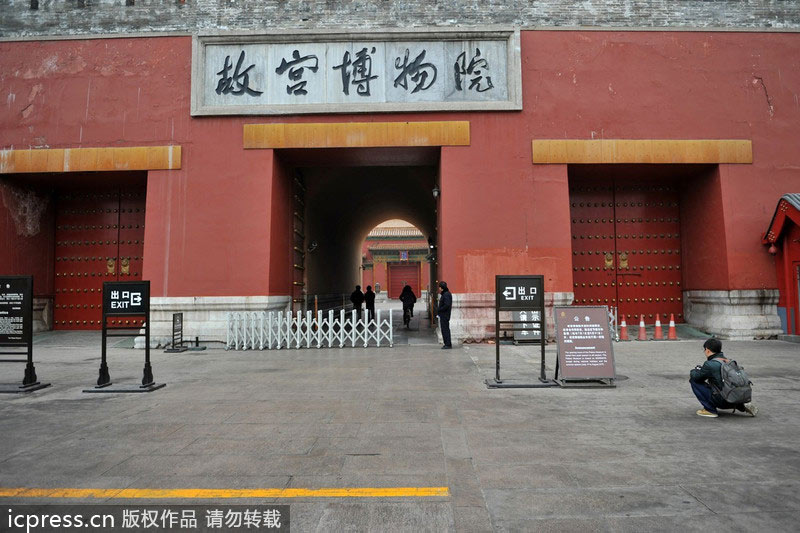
x,y
280,75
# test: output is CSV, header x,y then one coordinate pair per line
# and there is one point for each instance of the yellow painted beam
x,y
356,134
351,492
90,159
655,151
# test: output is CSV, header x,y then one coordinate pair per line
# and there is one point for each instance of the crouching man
x,y
707,383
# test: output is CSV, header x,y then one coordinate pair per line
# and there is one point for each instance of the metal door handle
x,y
623,260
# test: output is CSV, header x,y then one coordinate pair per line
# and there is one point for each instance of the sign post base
x,y
587,384
179,349
517,384
122,388
13,388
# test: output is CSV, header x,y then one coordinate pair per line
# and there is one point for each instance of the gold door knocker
x,y
623,260
609,260
110,265
125,266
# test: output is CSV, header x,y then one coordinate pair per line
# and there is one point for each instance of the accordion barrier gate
x,y
262,330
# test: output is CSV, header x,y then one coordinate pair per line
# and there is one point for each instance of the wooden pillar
x,y
790,296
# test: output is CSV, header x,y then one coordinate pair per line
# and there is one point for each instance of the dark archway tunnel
x,y
344,203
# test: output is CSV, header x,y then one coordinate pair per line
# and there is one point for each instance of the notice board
x,y
16,310
585,351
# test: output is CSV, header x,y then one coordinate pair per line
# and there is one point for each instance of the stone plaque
x,y
386,71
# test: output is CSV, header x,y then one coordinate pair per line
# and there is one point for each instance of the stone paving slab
x,y
632,458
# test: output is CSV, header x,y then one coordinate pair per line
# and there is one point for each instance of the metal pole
x,y
29,377
147,375
104,378
542,338
497,343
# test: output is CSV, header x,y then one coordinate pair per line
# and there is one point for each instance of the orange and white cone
x,y
623,331
659,333
642,332
672,334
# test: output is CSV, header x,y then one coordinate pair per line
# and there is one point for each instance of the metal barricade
x,y
262,330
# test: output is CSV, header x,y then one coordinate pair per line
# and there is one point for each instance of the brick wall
x,y
82,17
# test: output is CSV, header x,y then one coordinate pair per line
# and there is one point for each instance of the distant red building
x,y
396,253
783,238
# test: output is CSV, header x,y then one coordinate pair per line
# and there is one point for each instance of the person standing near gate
x,y
357,297
369,298
445,304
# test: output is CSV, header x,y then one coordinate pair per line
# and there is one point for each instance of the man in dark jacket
x,y
445,304
357,297
707,379
369,298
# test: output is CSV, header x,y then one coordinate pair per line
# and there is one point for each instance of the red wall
x,y
684,85
380,275
28,255
210,225
703,249
367,279
281,241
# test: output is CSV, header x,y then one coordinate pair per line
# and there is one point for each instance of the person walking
x,y
445,304
408,298
369,299
357,297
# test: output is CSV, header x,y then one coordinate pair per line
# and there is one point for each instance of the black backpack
x,y
736,385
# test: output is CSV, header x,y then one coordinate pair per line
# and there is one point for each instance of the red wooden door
x,y
648,250
401,274
594,253
626,247
99,237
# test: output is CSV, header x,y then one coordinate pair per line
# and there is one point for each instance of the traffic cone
x,y
642,332
623,331
659,333
672,334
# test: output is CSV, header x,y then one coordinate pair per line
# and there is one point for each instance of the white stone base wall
x,y
42,314
203,316
473,317
735,315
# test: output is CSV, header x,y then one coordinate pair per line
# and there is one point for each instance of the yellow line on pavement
x,y
353,492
